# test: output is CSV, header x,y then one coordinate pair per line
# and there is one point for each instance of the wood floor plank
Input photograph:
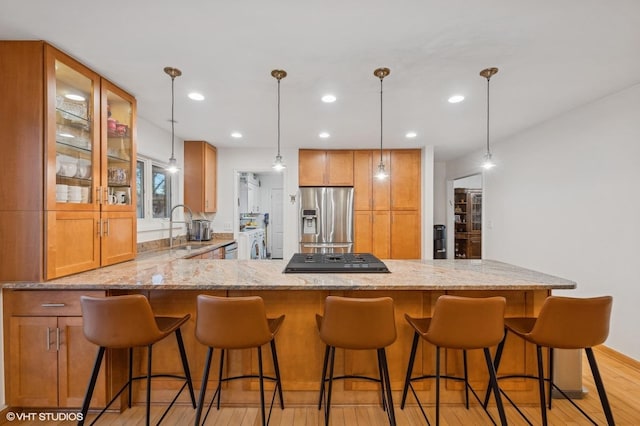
x,y
622,382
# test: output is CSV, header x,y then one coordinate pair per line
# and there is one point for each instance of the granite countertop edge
x,y
173,270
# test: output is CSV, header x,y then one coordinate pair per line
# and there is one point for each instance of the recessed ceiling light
x,y
67,135
196,96
236,135
411,135
74,97
324,135
455,99
328,98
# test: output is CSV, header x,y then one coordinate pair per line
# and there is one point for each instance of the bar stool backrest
x,y
119,321
467,322
358,323
572,323
232,322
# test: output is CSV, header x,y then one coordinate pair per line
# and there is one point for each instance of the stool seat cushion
x,y
124,321
566,323
357,323
234,322
463,322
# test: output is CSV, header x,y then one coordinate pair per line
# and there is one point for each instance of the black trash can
x,y
439,242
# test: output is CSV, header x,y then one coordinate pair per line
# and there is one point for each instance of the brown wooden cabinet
x,y
325,168
468,223
200,176
49,360
81,128
372,233
387,211
405,178
370,193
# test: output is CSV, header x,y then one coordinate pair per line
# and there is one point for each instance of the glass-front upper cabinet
x,y
73,128
119,155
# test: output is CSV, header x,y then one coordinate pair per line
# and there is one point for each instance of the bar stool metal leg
x,y
150,353
185,366
130,390
203,386
327,408
92,385
494,385
276,367
219,387
324,376
407,381
387,385
600,386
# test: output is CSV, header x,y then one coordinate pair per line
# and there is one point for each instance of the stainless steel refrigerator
x,y
325,222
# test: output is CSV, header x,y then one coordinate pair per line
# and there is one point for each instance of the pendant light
x,y
173,163
381,73
278,164
488,73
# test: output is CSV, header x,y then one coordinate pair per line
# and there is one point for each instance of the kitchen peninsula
x,y
172,282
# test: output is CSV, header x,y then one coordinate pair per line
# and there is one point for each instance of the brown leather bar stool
x,y
459,323
236,323
354,323
126,322
563,323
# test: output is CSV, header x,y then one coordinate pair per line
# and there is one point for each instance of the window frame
x,y
148,222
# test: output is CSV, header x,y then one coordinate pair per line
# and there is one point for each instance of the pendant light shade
x,y
278,164
381,73
488,73
173,163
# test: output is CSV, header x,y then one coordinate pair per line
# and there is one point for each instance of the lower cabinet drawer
x,y
48,302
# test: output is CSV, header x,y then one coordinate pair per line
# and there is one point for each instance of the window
x,y
154,189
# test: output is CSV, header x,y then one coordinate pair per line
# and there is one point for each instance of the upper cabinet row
x,y
68,143
400,191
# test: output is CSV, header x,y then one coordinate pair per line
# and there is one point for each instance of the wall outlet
x,y
228,227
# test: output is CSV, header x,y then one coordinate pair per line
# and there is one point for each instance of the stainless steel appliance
x,y
231,251
335,262
200,230
325,221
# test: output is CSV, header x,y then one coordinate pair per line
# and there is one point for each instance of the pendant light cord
x,y
278,117
381,119
172,119
488,80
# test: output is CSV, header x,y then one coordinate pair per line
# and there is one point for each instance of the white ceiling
x,y
553,56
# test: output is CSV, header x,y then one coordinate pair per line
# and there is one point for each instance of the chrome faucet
x,y
171,222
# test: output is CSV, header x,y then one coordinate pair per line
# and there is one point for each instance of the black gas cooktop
x,y
335,262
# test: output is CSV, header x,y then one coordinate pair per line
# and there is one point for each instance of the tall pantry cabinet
x,y
68,204
387,212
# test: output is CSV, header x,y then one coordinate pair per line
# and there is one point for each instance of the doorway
x,y
467,217
259,206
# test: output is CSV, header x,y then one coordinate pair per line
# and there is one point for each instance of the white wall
x,y
563,200
439,193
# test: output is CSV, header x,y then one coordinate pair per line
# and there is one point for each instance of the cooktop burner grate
x,y
335,262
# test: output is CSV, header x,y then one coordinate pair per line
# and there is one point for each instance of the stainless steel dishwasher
x,y
231,251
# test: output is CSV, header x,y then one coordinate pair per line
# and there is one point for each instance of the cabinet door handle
x,y
48,338
52,305
98,195
58,339
106,234
106,195
99,227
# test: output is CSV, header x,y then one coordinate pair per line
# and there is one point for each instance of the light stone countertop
x,y
170,270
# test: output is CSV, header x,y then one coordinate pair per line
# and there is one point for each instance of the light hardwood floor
x,y
621,377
